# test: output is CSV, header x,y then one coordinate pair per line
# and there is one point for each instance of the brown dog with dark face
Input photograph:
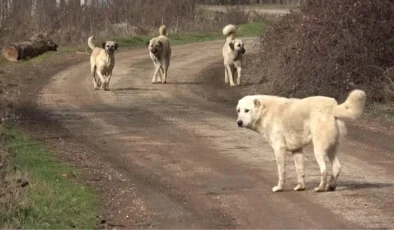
x,y
102,62
160,53
233,51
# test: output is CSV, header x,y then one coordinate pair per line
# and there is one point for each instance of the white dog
x,y
102,62
289,124
233,51
160,53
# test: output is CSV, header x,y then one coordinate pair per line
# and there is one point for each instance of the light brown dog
x,y
160,53
290,124
233,51
102,62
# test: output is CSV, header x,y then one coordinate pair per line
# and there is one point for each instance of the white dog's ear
x,y
231,44
160,43
116,46
103,45
147,43
256,103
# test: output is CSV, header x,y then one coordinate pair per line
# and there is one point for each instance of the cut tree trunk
x,y
35,46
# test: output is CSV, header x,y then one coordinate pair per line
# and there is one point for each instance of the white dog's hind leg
x,y
93,72
320,155
336,167
230,75
165,70
299,165
280,155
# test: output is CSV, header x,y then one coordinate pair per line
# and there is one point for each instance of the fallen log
x,y
35,46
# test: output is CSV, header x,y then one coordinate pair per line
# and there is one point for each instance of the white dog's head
x,y
155,46
249,112
110,46
237,46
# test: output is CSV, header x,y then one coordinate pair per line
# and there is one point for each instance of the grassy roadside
x,y
52,199
127,43
249,29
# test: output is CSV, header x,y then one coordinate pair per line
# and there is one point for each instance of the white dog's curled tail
x,y
163,30
353,107
230,31
90,42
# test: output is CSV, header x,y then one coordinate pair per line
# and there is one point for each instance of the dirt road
x,y
171,156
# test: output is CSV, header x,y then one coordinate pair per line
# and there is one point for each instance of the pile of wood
x,y
36,45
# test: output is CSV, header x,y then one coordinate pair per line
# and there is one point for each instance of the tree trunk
x,y
36,45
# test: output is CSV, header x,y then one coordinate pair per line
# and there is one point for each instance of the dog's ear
x,y
231,44
256,103
116,46
147,43
160,43
103,45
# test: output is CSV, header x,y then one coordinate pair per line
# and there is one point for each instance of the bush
x,y
329,48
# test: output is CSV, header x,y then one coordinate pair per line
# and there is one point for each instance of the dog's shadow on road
x,y
186,83
133,89
357,185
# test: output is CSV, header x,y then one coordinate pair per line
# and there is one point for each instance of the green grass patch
x,y
126,43
56,201
274,6
252,29
249,29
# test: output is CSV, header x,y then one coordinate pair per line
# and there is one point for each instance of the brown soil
x,y
171,156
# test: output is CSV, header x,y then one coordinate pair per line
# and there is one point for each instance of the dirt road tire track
x,y
170,156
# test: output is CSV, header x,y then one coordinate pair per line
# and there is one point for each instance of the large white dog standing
x,y
289,124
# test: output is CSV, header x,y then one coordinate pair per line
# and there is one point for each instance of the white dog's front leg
x,y
102,79
157,69
164,80
230,75
225,75
106,85
239,69
280,155
161,74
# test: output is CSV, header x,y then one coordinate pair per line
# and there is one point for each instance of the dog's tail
x,y
353,107
230,31
163,30
90,42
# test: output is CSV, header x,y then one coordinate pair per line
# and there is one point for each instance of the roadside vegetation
x,y
329,48
39,192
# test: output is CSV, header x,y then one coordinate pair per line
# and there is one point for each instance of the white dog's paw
x,y
233,85
277,189
299,188
318,189
226,80
238,81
